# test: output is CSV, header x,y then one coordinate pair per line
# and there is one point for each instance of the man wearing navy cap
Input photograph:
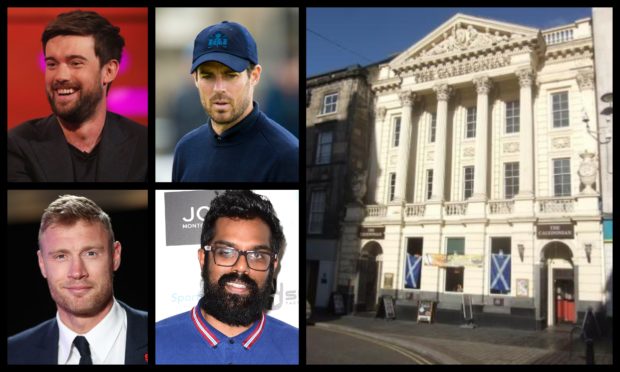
x,y
239,143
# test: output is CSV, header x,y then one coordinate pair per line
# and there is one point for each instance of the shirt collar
x,y
241,127
100,339
210,334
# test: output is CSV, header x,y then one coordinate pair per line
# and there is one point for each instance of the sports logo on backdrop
x,y
185,211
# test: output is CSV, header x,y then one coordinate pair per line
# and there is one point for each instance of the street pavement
x,y
450,344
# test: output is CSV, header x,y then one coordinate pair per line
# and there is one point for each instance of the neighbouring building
x,y
602,23
482,178
339,113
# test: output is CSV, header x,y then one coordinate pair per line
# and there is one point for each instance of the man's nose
x,y
61,73
78,269
241,266
219,84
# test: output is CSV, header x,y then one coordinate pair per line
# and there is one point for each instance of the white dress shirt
x,y
106,340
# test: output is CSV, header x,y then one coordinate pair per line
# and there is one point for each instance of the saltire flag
x,y
413,269
500,272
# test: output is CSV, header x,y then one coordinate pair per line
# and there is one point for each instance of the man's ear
x,y
110,70
201,258
195,75
255,75
116,255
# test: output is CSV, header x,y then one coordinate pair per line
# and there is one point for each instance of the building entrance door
x,y
564,292
369,268
559,288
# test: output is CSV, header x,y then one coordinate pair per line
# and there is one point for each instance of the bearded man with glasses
x,y
241,242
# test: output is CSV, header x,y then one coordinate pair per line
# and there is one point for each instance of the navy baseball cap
x,y
228,43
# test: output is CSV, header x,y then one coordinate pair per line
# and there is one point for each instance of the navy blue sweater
x,y
257,149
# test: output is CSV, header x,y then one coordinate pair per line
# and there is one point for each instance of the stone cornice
x,y
564,51
533,43
330,78
386,85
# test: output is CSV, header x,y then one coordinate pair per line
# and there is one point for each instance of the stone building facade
x,y
483,182
339,115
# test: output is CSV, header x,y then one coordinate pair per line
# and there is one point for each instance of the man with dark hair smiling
x,y
241,243
81,141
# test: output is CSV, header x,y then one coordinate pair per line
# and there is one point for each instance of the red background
x,y
26,80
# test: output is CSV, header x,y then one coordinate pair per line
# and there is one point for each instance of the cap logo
x,y
218,41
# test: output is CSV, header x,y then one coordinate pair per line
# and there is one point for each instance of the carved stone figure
x,y
587,171
358,185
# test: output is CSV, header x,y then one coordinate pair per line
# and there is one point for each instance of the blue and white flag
x,y
413,269
500,272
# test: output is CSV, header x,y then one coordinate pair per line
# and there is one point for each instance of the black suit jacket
x,y
38,152
39,344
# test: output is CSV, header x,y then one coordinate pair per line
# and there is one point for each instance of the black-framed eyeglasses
x,y
258,260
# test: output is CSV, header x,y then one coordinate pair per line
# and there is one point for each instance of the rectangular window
x,y
500,265
512,117
413,263
396,132
392,185
471,123
324,148
330,103
454,275
511,179
429,183
561,177
468,182
317,212
433,127
560,109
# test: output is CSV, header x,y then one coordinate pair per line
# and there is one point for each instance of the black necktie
x,y
81,344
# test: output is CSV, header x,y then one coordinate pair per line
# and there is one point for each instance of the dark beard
x,y
233,309
82,111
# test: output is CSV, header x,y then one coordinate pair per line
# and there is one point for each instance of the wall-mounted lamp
x,y
588,248
521,249
594,133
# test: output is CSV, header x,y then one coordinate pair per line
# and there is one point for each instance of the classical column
x,y
404,145
376,168
526,138
439,169
483,86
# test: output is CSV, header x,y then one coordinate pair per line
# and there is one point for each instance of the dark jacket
x,y
38,152
39,344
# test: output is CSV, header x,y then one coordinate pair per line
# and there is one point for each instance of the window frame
x,y
496,250
468,184
312,212
563,112
391,186
470,122
429,184
515,179
566,175
513,117
433,128
322,155
326,105
396,131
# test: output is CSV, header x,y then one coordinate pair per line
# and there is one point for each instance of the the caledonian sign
x,y
372,232
558,231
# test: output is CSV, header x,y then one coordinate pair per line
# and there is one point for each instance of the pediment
x,y
462,34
